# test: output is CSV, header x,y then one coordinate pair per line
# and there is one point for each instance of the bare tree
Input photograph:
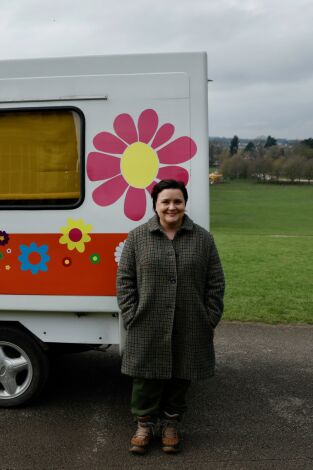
x,y
293,168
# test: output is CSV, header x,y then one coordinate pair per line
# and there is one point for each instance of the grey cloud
x,y
259,51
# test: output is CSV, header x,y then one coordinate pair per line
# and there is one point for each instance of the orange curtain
x,y
39,155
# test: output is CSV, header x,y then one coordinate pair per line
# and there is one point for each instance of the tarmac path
x,y
256,413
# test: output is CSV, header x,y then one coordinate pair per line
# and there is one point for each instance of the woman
x,y
170,286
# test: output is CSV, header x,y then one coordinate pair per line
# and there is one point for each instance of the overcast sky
x,y
260,52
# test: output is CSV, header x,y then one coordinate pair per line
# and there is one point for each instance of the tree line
x,y
264,159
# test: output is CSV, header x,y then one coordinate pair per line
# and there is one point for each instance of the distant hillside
x,y
243,142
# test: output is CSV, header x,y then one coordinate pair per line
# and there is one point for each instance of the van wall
x,y
131,131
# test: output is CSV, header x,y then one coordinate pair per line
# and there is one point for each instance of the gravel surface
x,y
256,413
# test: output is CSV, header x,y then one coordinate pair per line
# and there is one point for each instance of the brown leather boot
x,y
143,435
171,438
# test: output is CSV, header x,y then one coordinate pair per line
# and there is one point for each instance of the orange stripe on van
x,y
67,272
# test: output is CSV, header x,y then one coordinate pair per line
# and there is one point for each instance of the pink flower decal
x,y
134,159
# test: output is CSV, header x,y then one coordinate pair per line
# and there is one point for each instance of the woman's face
x,y
170,207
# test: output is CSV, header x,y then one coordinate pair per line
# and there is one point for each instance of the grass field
x,y
264,234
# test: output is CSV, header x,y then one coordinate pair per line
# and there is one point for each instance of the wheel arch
x,y
19,326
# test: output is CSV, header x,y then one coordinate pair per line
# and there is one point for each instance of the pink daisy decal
x,y
135,158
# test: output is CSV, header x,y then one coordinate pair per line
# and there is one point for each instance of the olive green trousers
x,y
152,397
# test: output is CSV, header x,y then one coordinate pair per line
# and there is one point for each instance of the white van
x,y
82,142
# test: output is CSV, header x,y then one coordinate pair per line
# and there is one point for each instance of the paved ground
x,y
256,413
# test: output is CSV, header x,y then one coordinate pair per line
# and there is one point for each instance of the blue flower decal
x,y
34,258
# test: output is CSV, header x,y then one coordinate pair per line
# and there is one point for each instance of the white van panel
x,y
91,87
175,86
60,327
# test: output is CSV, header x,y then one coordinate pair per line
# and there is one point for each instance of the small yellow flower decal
x,y
75,234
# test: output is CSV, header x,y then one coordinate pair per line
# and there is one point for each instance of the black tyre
x,y
23,367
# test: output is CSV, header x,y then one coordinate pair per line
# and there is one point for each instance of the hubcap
x,y
16,371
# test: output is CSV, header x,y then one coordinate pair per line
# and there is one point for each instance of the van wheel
x,y
23,367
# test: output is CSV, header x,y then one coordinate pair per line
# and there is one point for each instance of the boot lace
x,y
144,430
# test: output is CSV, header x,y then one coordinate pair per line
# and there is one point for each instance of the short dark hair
x,y
168,184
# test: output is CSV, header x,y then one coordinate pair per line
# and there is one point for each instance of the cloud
x,y
262,109
259,51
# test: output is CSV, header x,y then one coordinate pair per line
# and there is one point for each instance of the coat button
x,y
173,280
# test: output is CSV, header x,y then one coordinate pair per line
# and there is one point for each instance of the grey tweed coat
x,y
170,294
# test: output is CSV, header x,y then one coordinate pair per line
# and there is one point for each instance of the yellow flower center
x,y
139,165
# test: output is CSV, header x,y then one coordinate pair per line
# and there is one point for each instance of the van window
x,y
40,157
